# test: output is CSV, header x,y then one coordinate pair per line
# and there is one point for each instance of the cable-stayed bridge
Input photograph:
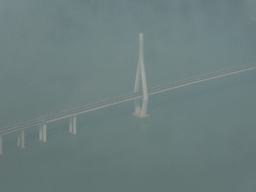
x,y
136,96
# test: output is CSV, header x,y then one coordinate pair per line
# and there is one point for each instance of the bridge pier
x,y
1,147
42,133
18,141
141,111
72,125
21,140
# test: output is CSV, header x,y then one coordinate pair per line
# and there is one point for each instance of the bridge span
x,y
136,96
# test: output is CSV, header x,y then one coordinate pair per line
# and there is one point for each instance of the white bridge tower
x,y
141,111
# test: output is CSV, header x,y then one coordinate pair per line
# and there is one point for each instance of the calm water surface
x,y
196,139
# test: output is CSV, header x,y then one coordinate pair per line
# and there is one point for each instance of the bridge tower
x,y
141,111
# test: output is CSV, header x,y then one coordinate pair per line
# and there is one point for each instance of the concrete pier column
x,y
70,124
1,149
74,125
44,133
22,139
144,108
40,132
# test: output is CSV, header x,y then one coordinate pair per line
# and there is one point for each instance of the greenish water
x,y
200,138
58,55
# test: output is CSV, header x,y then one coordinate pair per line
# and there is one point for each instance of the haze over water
x,y
63,54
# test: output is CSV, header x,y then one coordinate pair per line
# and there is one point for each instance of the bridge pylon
x,y
141,111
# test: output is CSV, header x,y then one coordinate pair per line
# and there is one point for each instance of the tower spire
x,y
141,111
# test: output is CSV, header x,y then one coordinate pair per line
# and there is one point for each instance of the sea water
x,y
196,139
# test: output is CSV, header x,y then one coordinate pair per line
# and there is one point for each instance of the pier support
x,y
72,125
21,140
42,133
1,147
141,111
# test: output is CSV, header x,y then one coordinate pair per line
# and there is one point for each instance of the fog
x,y
61,54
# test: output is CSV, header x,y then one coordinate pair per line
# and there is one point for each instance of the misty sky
x,y
61,54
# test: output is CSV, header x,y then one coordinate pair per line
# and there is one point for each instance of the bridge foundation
x,y
141,111
72,125
42,133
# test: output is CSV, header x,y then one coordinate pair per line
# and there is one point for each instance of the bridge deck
x,y
125,98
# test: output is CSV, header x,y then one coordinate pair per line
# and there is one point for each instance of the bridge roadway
x,y
125,98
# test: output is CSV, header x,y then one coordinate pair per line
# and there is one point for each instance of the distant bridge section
x,y
140,111
126,98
